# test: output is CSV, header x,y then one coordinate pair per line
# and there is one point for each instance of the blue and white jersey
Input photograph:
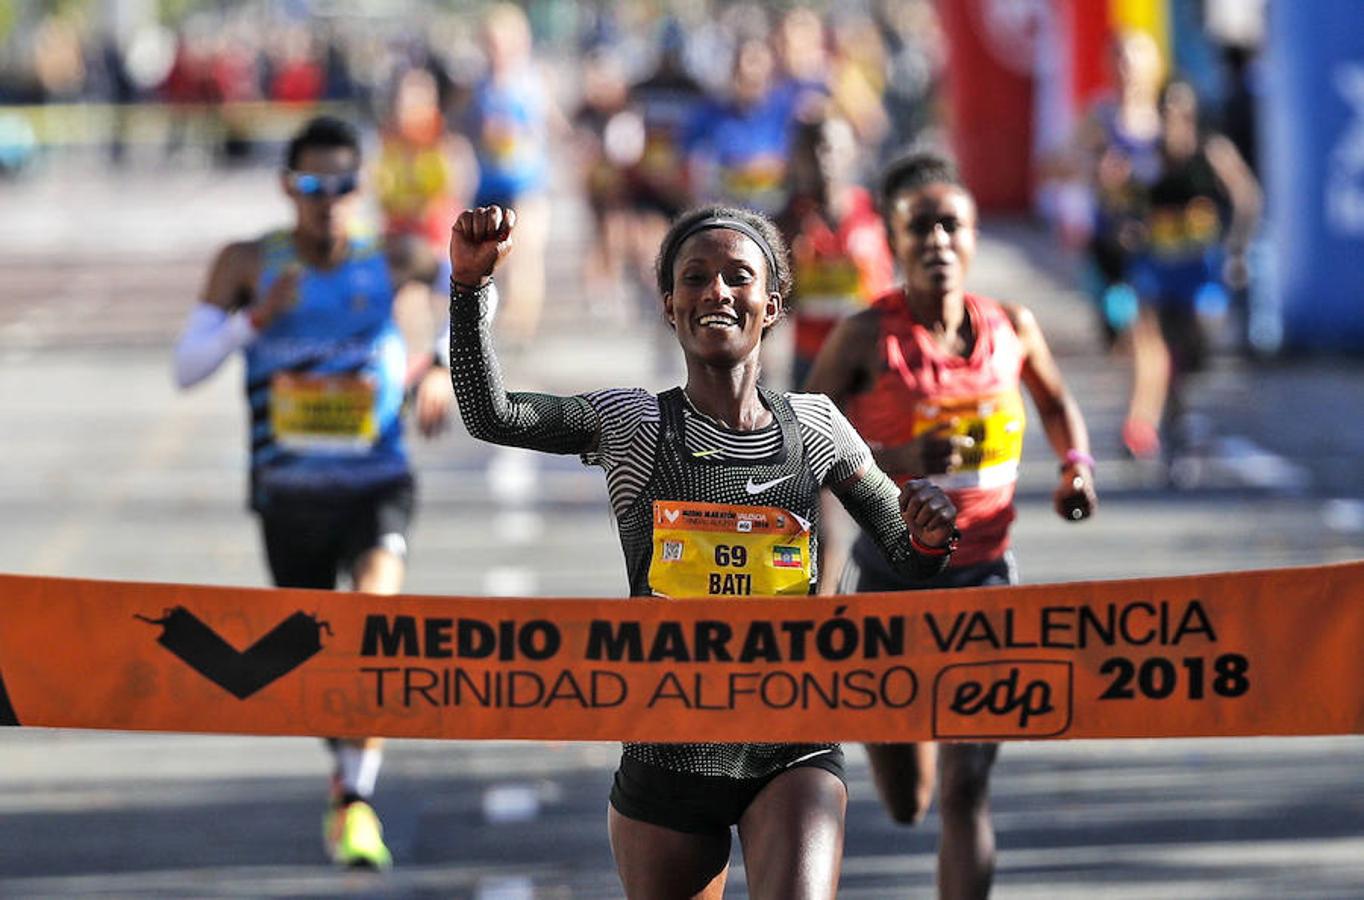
x,y
325,379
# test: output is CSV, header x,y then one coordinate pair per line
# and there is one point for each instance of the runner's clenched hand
x,y
434,398
1075,499
928,512
934,452
479,240
283,294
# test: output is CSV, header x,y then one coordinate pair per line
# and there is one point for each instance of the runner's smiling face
x,y
720,302
322,215
933,234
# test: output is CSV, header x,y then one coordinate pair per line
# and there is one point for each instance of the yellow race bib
x,y
995,425
718,550
333,413
827,288
756,176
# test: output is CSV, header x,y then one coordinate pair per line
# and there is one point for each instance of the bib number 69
x,y
735,555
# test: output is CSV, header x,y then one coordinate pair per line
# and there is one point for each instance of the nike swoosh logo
x,y
759,488
800,759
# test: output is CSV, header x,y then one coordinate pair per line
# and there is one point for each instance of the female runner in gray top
x,y
723,441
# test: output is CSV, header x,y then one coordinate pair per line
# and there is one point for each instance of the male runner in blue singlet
x,y
314,311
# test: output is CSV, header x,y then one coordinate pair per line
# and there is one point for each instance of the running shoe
x,y
354,837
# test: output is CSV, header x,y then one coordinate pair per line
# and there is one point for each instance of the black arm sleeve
x,y
535,421
874,502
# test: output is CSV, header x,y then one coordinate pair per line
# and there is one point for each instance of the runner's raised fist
x,y
478,241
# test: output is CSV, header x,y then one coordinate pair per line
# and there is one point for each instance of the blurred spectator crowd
x,y
211,77
649,108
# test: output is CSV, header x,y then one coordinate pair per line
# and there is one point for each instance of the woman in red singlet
x,y
931,376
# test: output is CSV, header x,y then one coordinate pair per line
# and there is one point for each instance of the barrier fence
x,y
85,124
1274,652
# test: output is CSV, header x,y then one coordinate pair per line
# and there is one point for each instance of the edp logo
x,y
1003,699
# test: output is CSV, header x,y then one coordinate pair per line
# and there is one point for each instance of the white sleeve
x,y
210,336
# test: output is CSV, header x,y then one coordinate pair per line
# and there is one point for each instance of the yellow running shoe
x,y
354,837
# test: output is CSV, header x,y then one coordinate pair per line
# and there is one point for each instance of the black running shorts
x,y
866,571
698,804
310,539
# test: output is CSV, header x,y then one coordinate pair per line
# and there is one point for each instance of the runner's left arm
x,y
1074,498
1242,189
544,422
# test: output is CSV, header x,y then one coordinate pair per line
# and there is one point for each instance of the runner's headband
x,y
707,224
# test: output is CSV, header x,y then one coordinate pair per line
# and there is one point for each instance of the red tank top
x,y
836,272
922,387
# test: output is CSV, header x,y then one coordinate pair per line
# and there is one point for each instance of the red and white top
x,y
922,387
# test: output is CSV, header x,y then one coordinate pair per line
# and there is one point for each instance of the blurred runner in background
x,y
915,57
608,140
841,260
737,145
510,120
315,313
420,181
666,101
931,376
801,55
1197,217
840,263
1118,156
658,184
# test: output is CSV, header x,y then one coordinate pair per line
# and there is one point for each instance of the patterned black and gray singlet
x,y
661,448
679,474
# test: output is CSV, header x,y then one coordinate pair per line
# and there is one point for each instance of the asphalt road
x,y
109,473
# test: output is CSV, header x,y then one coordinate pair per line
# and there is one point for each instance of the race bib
x,y
717,550
827,288
761,175
502,140
1179,231
994,424
660,156
330,413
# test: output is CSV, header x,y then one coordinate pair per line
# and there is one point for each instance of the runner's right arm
x,y
900,520
227,318
552,424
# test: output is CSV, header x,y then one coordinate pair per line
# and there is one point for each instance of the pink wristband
x,y
1075,457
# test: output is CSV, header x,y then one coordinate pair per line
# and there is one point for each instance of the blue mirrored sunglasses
x,y
313,184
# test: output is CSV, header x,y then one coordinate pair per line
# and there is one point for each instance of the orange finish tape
x,y
1277,652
